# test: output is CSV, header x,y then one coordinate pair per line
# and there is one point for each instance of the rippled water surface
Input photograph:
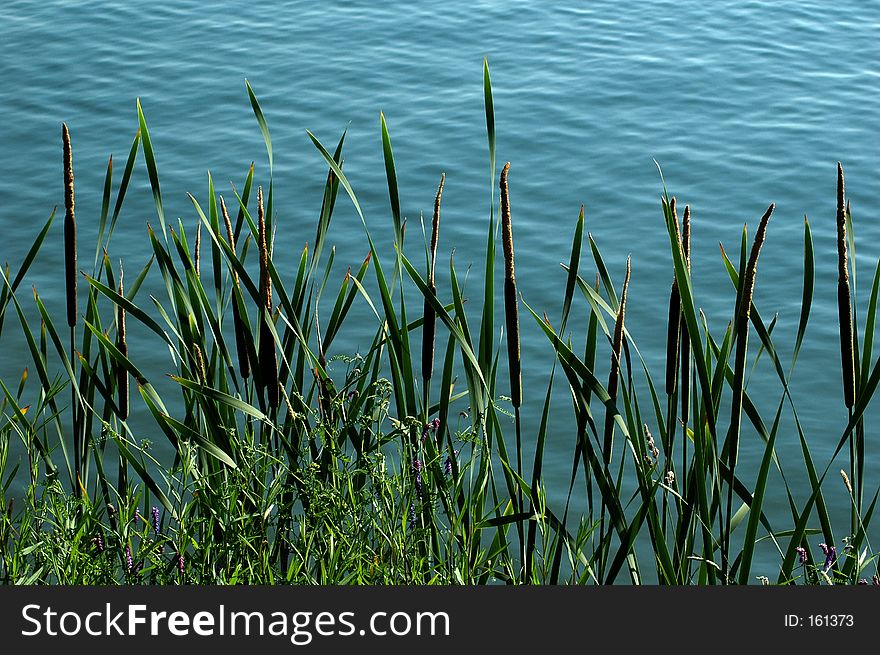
x,y
741,103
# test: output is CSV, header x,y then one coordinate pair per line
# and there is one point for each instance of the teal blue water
x,y
741,104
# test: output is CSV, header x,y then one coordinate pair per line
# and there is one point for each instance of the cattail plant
x,y
674,322
430,324
511,314
844,298
122,346
70,282
267,359
237,323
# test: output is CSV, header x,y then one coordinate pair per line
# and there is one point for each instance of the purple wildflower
x,y
802,555
417,469
430,426
830,555
98,540
180,563
154,514
412,516
128,561
447,465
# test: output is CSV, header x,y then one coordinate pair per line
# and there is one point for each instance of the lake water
x,y
741,103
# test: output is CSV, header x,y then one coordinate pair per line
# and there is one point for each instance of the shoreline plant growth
x,y
294,463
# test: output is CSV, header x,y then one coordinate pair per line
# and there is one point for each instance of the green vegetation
x,y
296,464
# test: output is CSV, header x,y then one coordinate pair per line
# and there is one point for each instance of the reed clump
x,y
334,486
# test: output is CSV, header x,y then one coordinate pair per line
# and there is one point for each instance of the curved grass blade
x,y
152,170
264,128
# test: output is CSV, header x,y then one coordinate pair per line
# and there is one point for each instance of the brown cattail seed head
x,y
267,357
200,363
844,297
435,224
198,249
685,344
265,278
511,305
230,233
673,325
686,236
69,229
752,266
430,316
506,233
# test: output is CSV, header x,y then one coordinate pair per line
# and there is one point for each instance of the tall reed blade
x,y
511,309
844,298
674,322
430,324
237,325
122,345
69,229
267,358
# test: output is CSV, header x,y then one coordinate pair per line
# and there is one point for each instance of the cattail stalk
x,y
237,324
674,323
430,325
844,298
70,284
69,229
511,309
122,345
267,358
511,315
741,332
